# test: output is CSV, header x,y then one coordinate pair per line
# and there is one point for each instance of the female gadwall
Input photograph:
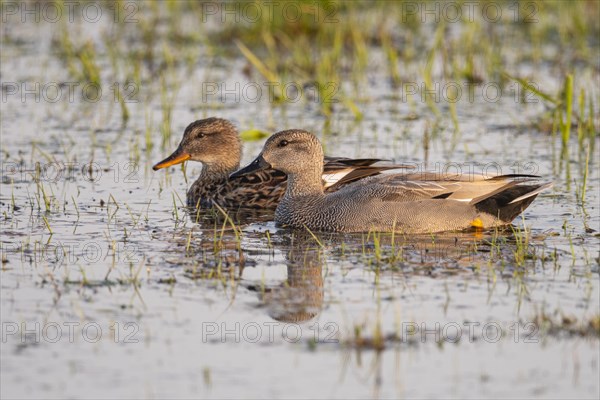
x,y
215,143
409,203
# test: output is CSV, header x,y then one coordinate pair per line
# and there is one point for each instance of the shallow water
x,y
113,291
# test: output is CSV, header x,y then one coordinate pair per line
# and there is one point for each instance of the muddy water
x,y
112,289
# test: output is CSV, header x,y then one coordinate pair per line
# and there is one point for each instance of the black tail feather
x,y
506,205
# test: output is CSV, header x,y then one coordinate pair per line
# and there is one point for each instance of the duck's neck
x,y
309,182
218,170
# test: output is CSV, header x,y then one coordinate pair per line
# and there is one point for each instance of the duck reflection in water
x,y
300,298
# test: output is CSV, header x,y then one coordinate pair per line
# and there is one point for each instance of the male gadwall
x,y
409,203
215,143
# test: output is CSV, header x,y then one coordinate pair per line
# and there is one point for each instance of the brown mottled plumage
x,y
215,143
408,203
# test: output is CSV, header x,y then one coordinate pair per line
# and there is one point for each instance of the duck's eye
x,y
283,143
201,135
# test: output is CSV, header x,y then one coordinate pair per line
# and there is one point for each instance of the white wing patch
x,y
332,179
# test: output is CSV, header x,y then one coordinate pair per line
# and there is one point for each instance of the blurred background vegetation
x,y
345,52
317,42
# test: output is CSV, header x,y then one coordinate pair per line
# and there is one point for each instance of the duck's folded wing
x,y
395,188
399,190
340,171
403,187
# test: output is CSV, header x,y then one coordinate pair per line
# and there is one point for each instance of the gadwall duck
x,y
216,144
408,203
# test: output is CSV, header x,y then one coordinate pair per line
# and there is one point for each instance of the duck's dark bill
x,y
257,165
173,159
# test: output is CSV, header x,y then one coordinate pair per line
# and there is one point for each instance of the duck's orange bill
x,y
173,159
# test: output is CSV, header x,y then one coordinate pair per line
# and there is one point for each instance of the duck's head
x,y
291,152
212,141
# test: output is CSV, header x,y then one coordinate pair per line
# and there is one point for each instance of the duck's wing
x,y
474,187
466,177
358,162
397,189
421,186
340,171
